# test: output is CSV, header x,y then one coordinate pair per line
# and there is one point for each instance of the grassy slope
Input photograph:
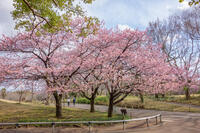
x,y
194,100
150,103
14,112
132,101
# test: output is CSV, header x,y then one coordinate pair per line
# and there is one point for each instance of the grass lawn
x,y
194,100
27,112
149,103
134,102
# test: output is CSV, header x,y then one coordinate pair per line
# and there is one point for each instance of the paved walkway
x,y
134,112
173,122
131,112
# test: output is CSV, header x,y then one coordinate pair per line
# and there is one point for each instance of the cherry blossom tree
x,y
89,79
123,61
108,47
52,57
88,84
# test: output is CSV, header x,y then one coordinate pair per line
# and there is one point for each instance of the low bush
x,y
82,100
100,100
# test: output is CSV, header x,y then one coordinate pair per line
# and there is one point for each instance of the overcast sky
x,y
122,13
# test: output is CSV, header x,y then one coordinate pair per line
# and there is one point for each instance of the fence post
x,y
53,127
123,125
160,118
156,120
2,125
89,123
17,125
147,121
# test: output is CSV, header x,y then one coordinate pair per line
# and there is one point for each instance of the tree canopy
x,y
48,14
192,2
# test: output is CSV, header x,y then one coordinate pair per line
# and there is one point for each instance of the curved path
x,y
173,122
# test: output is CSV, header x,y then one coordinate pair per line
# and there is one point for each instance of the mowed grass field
x,y
27,112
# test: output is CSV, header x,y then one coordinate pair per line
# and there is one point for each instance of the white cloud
x,y
6,22
124,27
137,13
6,4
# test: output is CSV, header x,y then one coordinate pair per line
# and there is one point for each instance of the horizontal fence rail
x,y
86,122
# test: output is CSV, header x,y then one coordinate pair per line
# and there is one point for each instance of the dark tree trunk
x,y
187,93
110,107
92,104
141,97
156,96
163,95
91,97
58,98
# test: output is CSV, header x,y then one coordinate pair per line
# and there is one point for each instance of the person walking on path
x,y
74,101
68,101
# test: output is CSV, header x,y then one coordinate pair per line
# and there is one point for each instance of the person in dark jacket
x,y
74,101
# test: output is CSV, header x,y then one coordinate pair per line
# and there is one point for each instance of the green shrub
x,y
82,100
101,100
